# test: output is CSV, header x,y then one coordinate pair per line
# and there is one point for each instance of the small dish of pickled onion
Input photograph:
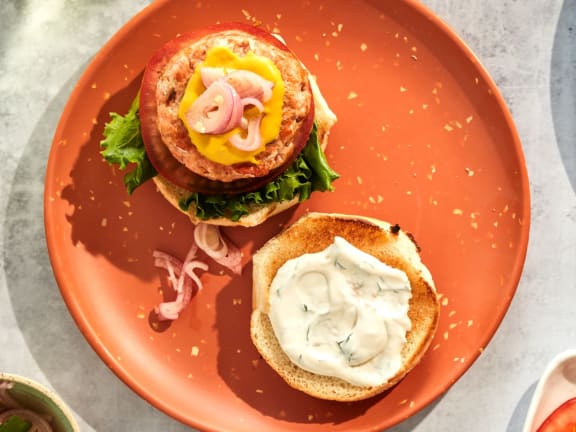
x,y
26,406
553,406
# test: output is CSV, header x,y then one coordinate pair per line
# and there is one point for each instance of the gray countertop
x,y
529,48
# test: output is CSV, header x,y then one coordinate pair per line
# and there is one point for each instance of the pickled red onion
x,y
210,239
247,101
250,84
182,279
245,82
210,74
253,140
171,310
9,407
7,401
217,110
182,276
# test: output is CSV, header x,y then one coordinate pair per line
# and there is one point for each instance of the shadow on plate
x,y
103,217
70,365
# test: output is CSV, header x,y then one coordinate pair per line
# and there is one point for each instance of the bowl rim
x,y
534,408
57,400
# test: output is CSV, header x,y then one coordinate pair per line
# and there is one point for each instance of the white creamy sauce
x,y
341,312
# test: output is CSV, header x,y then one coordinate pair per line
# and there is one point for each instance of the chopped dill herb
x,y
339,265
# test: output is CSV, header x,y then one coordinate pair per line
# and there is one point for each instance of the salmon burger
x,y
233,126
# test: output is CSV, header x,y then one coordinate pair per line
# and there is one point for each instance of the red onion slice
x,y
210,74
250,84
168,311
188,279
252,101
182,279
182,276
169,263
189,270
253,140
171,310
245,82
217,110
210,239
6,401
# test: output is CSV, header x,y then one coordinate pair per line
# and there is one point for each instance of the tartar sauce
x,y
343,313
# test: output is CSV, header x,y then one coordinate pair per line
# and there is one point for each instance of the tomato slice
x,y
562,419
161,157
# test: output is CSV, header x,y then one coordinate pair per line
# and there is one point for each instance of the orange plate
x,y
423,139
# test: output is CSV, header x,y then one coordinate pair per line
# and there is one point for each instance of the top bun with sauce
x,y
227,112
344,329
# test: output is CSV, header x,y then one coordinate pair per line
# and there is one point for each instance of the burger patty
x,y
171,86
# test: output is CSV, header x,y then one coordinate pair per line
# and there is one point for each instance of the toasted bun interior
x,y
313,233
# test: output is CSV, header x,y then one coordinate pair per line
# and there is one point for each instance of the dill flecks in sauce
x,y
341,312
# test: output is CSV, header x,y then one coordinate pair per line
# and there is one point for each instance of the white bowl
x,y
556,386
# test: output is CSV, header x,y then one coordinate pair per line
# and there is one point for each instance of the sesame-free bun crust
x,y
313,233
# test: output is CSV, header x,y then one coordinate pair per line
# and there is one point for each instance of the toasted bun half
x,y
325,120
313,233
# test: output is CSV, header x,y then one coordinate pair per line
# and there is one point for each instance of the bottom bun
x,y
257,215
313,233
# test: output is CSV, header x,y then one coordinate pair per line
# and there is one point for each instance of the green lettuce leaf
x,y
315,157
123,146
309,173
15,423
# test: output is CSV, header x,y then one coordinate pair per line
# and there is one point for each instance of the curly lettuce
x,y
123,146
309,173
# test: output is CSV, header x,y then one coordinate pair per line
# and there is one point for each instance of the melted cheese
x,y
216,146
